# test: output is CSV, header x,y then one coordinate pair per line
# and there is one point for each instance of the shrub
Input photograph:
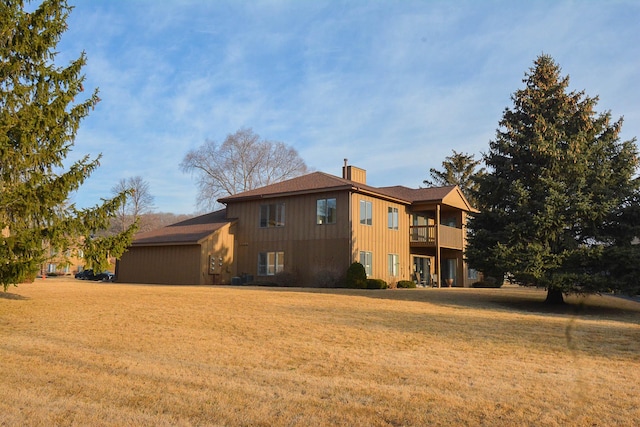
x,y
327,279
486,284
406,284
286,279
376,284
356,276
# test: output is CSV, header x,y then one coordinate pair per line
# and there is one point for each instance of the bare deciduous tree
x,y
242,162
138,202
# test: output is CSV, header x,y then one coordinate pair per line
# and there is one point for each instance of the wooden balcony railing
x,y
423,234
450,237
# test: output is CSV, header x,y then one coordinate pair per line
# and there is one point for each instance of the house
x,y
63,264
313,227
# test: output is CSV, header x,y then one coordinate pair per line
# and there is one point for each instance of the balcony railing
x,y
450,237
423,234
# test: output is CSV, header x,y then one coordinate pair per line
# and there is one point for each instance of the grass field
x,y
84,353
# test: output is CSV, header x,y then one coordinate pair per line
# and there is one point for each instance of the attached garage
x,y
198,251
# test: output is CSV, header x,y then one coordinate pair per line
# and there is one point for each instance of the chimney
x,y
353,173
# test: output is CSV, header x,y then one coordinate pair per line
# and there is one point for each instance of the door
x,y
422,270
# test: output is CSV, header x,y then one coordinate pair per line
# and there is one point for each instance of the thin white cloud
x,y
393,86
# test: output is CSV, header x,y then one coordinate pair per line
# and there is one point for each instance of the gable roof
x,y
450,195
190,231
316,182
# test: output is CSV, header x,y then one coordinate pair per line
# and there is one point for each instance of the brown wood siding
x,y
174,265
310,249
381,241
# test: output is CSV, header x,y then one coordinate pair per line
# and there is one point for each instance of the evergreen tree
x,y
39,119
459,169
559,177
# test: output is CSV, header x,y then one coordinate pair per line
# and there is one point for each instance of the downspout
x,y
438,272
351,257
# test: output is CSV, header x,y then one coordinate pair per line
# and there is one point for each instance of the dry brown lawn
x,y
84,353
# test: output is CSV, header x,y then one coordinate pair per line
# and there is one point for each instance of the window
x,y
393,265
365,212
326,211
472,274
272,215
366,259
392,218
270,263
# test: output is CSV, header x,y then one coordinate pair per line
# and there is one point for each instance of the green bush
x,y
376,284
406,284
356,276
487,284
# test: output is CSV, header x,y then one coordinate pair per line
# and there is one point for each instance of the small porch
x,y
436,239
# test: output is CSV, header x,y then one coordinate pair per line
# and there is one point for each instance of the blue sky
x,y
393,86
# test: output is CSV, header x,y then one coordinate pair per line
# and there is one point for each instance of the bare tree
x,y
242,162
138,202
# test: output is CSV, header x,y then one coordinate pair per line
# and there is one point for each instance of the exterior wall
x,y
174,265
217,255
311,251
67,264
381,241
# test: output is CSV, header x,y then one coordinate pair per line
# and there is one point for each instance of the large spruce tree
x,y
39,118
559,187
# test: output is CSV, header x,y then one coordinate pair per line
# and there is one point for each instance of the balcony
x,y
425,235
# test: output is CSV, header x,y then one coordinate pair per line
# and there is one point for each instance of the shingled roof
x,y
313,182
320,181
190,231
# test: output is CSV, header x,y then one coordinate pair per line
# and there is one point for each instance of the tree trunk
x,y
554,296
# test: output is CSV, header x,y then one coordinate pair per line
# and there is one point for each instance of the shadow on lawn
x,y
9,295
573,306
517,299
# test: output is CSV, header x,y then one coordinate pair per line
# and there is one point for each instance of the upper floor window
x,y
326,211
366,212
393,218
272,215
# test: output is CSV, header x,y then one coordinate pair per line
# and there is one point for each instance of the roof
x,y
415,195
319,182
190,231
312,182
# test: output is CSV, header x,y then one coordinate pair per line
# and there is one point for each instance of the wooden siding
x,y
309,249
221,247
381,241
176,265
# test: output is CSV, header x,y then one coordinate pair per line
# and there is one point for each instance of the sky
x,y
392,86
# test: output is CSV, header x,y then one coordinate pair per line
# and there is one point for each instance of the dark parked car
x,y
85,275
105,276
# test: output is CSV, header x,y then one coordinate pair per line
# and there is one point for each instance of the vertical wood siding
x,y
309,249
381,241
177,265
